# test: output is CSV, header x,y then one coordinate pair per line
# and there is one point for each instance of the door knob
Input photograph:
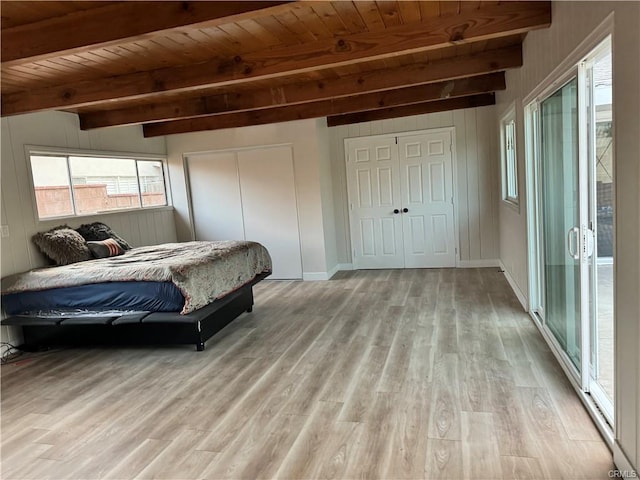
x,y
396,211
405,209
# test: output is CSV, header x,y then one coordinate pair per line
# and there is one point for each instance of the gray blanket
x,y
203,271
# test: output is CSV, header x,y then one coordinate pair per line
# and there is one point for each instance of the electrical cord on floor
x,y
9,352
12,354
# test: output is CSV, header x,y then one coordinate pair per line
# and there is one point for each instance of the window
x,y
78,184
509,158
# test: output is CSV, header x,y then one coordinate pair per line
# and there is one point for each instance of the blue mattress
x,y
138,296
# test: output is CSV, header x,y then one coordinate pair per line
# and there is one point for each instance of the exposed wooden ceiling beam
x,y
357,103
123,22
415,109
371,81
507,18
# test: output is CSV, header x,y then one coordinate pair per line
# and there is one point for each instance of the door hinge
x,y
452,201
450,148
396,140
456,250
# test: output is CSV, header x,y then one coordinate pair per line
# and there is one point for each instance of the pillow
x,y
63,245
105,248
98,231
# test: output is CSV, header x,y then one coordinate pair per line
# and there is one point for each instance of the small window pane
x,y
104,184
510,167
152,183
51,182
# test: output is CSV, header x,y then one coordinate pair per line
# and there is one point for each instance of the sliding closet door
x,y
215,196
269,206
248,195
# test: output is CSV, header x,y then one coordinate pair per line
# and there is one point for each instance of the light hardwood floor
x,y
398,374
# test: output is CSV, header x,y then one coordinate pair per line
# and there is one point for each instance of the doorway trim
x,y
454,166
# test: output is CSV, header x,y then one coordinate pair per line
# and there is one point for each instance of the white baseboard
x,y
319,276
623,464
478,263
522,298
314,276
333,271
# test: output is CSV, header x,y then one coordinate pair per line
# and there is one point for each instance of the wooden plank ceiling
x,y
178,67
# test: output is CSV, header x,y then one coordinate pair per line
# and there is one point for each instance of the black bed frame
x,y
145,328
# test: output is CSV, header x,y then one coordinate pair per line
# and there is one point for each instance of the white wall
x,y
326,192
303,136
513,220
18,212
544,50
476,189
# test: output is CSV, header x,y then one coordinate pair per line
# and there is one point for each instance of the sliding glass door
x,y
571,229
599,88
560,217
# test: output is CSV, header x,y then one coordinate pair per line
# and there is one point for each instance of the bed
x,y
175,293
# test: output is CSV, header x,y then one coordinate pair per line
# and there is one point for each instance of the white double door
x,y
401,200
248,195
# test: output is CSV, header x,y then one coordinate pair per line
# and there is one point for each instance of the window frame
x,y
509,173
67,152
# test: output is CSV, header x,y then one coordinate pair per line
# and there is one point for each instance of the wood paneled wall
x,y
477,182
18,212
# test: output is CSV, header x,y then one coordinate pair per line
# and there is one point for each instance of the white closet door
x,y
269,206
216,205
374,194
401,201
427,195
